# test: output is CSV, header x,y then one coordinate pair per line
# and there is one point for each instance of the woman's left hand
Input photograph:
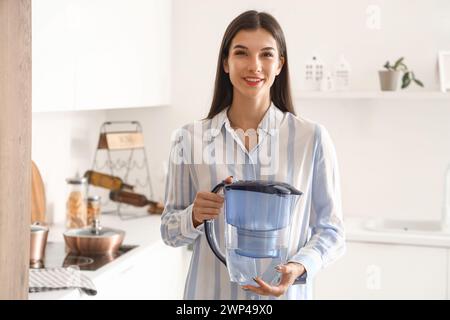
x,y
289,271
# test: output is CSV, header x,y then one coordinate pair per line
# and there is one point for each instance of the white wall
x,y
392,153
63,143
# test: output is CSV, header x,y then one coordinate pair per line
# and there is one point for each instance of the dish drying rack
x,y
121,152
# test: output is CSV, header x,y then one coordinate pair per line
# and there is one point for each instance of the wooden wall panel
x,y
15,147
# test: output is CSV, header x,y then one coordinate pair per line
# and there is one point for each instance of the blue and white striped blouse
x,y
290,149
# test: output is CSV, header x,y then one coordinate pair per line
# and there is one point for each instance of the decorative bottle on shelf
x,y
106,181
342,74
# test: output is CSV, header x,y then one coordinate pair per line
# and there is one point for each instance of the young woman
x,y
252,133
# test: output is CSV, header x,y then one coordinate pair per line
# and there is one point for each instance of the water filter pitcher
x,y
258,218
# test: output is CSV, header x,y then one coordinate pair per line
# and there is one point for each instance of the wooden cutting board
x,y
37,195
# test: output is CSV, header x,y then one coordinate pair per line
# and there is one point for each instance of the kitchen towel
x,y
60,278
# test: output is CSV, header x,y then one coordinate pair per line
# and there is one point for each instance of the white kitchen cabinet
x,y
385,271
157,274
123,54
52,56
97,54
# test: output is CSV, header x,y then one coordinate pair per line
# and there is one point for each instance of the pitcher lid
x,y
263,186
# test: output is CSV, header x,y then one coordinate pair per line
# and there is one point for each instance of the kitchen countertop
x,y
145,232
357,232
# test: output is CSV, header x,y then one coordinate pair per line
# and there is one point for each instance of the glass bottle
x,y
76,211
93,209
106,181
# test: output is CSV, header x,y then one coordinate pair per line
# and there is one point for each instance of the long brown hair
x,y
280,92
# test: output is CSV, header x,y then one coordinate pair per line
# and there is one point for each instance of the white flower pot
x,y
390,80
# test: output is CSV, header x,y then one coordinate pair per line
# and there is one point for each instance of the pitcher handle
x,y
210,233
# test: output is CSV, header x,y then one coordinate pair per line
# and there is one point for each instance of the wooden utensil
x,y
37,195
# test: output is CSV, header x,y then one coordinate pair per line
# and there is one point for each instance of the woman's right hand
x,y
207,205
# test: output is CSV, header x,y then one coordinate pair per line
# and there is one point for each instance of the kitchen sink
x,y
406,226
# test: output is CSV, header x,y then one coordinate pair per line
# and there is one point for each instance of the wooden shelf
x,y
401,95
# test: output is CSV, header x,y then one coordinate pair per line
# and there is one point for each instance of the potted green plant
x,y
395,75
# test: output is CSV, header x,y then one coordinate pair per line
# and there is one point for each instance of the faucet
x,y
445,222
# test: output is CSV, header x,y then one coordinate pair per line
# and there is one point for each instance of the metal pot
x,y
95,240
38,239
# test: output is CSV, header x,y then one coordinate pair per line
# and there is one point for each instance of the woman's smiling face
x,y
253,62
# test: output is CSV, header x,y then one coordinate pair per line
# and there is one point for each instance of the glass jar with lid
x,y
93,209
76,211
